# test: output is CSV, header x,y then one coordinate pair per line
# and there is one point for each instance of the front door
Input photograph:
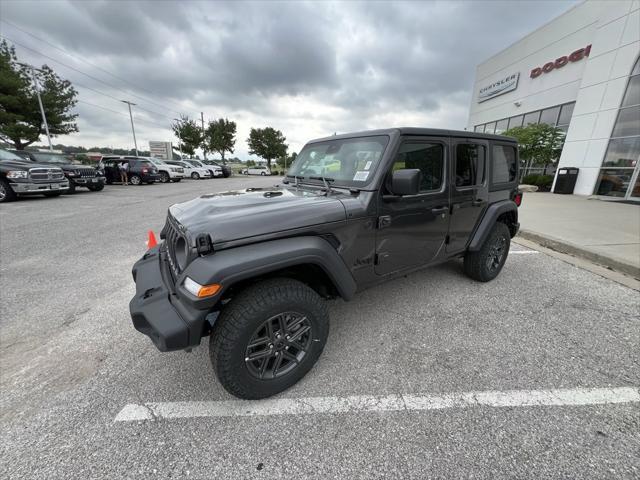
x,y
469,194
412,229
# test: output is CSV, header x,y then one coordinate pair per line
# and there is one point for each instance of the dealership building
x,y
581,73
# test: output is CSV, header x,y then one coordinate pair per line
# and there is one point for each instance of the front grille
x,y
47,174
88,172
177,246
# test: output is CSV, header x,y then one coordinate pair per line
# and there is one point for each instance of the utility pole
x,y
133,130
179,139
37,87
204,150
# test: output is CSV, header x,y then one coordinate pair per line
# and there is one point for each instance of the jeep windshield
x,y
348,162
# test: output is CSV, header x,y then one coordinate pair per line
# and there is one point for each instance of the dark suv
x,y
77,174
20,177
252,267
140,170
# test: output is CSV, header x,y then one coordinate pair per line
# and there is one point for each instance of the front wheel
x,y
164,177
195,175
268,337
485,264
97,187
263,174
6,192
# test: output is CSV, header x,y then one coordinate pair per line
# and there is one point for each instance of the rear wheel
x,y
164,177
268,337
135,180
6,192
485,264
195,175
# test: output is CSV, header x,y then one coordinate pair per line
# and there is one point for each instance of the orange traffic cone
x,y
151,242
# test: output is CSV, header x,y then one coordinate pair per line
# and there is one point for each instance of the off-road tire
x,y
97,187
7,194
477,264
244,314
72,188
164,177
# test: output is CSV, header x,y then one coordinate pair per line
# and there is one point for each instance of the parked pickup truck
x,y
22,177
251,268
77,174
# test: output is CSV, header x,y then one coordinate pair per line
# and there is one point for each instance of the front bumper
x,y
23,188
86,181
173,175
157,311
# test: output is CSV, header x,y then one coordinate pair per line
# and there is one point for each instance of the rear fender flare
x,y
488,221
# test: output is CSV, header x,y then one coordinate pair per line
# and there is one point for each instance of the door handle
x,y
477,203
439,210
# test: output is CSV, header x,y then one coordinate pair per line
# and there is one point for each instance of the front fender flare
x,y
228,267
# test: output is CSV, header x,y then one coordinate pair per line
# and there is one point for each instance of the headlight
x,y
174,169
201,291
17,174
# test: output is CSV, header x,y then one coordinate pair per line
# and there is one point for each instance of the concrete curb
x,y
577,251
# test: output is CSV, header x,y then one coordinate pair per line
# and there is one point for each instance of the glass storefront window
x,y
490,127
628,122
614,183
565,113
478,128
623,152
502,125
516,121
550,116
531,117
632,97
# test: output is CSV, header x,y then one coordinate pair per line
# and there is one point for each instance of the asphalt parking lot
x,y
535,374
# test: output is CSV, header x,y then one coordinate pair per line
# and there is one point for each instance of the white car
x,y
257,170
191,170
214,169
166,171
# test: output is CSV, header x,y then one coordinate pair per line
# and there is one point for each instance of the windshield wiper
x,y
326,181
296,178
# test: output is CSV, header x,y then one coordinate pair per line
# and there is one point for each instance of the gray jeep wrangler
x,y
252,268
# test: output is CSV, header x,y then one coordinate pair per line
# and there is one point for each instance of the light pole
x,y
37,87
133,130
179,139
204,150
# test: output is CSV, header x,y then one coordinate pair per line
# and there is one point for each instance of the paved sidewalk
x,y
605,232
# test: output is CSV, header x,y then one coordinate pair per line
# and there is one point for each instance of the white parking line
x,y
511,252
365,403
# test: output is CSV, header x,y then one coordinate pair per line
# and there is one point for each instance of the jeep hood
x,y
238,214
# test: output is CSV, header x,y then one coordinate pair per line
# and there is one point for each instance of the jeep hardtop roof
x,y
418,131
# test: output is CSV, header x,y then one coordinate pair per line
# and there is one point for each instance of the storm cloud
x,y
308,69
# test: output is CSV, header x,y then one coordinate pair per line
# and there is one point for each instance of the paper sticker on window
x,y
360,176
368,165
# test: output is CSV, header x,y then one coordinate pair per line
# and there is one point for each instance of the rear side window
x,y
469,164
504,164
428,158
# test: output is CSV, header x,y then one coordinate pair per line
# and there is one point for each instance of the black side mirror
x,y
405,182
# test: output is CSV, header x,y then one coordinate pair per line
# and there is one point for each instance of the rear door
x,y
412,229
469,191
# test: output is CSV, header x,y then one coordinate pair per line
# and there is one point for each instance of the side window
x,y
470,164
504,164
428,158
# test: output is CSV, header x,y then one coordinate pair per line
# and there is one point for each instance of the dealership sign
x,y
504,85
561,62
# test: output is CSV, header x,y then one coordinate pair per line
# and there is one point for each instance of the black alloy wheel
x,y
485,264
496,254
278,345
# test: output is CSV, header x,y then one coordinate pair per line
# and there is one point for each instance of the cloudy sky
x,y
308,69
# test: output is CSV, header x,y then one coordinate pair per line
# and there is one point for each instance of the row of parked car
x,y
51,174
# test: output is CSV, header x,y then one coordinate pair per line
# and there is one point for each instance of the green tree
x,y
189,134
20,118
220,137
267,143
285,161
539,144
